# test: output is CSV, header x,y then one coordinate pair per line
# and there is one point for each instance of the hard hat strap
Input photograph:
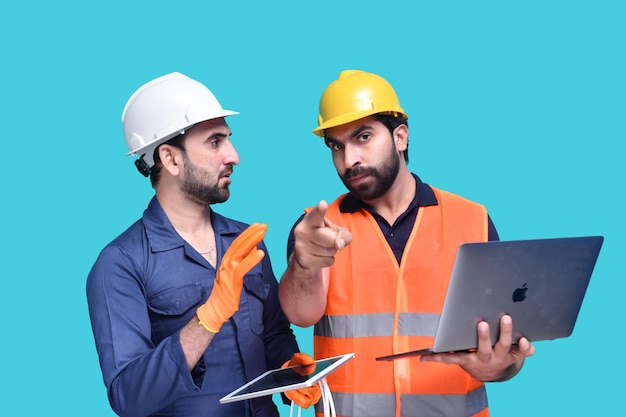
x,y
142,167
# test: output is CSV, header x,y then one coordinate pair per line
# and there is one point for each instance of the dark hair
x,y
391,121
155,173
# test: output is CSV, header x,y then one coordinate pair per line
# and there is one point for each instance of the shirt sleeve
x,y
492,233
278,338
140,377
291,241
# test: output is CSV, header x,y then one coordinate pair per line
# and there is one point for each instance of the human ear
x,y
401,137
170,159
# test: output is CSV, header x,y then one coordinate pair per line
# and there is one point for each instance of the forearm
x,y
302,294
194,340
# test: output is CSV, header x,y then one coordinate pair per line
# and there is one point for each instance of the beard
x,y
383,178
199,186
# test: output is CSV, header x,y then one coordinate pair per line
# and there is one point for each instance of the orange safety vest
x,y
376,307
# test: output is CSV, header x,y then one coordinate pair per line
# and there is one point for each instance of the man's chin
x,y
223,197
366,193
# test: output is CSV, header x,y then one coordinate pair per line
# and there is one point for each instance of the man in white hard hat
x,y
183,304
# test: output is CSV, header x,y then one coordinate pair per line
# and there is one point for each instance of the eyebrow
x,y
354,133
219,135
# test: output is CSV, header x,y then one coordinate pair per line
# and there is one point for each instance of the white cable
x,y
291,410
327,402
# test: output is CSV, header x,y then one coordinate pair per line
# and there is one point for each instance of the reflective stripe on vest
x,y
371,325
383,405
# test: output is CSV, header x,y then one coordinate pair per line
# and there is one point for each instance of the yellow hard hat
x,y
354,95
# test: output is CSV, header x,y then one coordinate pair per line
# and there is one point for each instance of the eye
x,y
215,141
364,137
334,146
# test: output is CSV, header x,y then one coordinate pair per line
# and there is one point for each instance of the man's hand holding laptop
x,y
490,362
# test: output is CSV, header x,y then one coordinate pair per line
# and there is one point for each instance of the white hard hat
x,y
163,108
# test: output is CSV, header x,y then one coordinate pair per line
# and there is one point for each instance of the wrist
x,y
297,267
206,326
206,320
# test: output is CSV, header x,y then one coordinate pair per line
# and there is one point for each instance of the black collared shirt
x,y
398,233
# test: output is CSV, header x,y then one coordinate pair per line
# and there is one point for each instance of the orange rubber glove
x,y
308,396
241,256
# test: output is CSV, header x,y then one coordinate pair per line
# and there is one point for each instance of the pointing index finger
x,y
316,216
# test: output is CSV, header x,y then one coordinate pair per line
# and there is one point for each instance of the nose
x,y
351,156
231,157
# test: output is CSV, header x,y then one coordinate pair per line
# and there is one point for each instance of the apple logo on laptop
x,y
519,294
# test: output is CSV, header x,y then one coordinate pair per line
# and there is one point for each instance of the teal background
x,y
517,105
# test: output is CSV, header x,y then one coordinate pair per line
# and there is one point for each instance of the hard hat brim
x,y
351,117
177,129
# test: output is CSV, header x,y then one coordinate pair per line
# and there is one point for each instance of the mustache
x,y
356,171
228,170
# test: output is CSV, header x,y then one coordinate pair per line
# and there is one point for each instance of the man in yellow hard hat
x,y
184,304
370,270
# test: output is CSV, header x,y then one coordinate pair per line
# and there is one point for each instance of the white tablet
x,y
286,379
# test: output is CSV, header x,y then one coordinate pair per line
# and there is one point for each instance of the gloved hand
x,y
308,396
241,256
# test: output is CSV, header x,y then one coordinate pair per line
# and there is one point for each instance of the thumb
x,y
306,363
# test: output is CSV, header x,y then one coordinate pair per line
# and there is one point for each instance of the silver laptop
x,y
540,283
